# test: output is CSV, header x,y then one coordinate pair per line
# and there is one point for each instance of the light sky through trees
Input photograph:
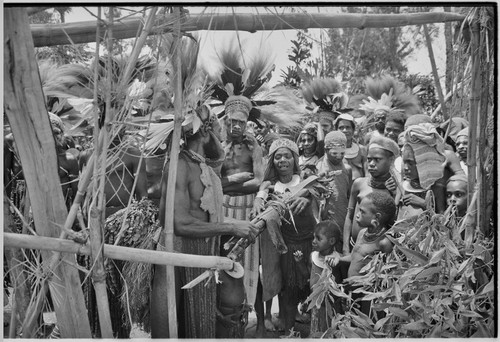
x,y
279,41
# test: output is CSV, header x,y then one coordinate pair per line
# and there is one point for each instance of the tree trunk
x,y
24,106
84,32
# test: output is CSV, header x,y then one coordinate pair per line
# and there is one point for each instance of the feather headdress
x,y
195,93
326,95
242,85
387,94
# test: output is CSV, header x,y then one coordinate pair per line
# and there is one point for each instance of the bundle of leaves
x,y
127,279
437,282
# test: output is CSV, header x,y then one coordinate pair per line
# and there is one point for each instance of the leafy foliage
x,y
437,282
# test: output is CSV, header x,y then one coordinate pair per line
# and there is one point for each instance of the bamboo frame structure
x,y
84,32
13,240
80,33
25,109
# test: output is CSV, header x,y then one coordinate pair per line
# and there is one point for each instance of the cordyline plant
x,y
437,282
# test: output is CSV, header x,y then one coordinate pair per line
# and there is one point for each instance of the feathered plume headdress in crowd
x,y
325,97
195,93
241,85
388,94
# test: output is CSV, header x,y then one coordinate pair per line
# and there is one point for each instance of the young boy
x,y
456,194
381,154
375,216
326,245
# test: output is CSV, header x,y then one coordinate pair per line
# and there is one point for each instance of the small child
x,y
376,214
326,244
456,194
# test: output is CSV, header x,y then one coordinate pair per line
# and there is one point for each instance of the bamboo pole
x,y
482,215
172,177
24,105
474,98
436,76
84,32
124,81
98,205
13,240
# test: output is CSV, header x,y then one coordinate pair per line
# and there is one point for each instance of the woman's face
x,y
283,161
308,143
346,127
410,171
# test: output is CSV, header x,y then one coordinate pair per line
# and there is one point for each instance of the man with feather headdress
x,y
385,96
241,87
198,210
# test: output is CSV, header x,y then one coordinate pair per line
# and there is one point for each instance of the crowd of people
x,y
390,168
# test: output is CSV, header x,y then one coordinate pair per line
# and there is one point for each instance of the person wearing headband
x,y
308,147
198,224
355,154
332,165
242,173
282,173
427,165
381,155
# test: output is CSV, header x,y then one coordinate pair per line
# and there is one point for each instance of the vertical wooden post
x,y
24,105
98,205
473,150
435,73
172,177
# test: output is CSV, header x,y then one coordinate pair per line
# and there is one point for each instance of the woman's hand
x,y
298,205
391,185
298,256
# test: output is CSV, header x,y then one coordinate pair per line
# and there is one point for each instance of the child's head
x,y
326,237
377,209
456,193
381,154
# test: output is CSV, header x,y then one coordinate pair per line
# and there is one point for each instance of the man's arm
x,y
251,186
349,217
185,222
453,163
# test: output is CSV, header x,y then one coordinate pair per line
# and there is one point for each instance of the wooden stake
x,y
172,177
13,240
475,95
24,105
98,205
84,32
